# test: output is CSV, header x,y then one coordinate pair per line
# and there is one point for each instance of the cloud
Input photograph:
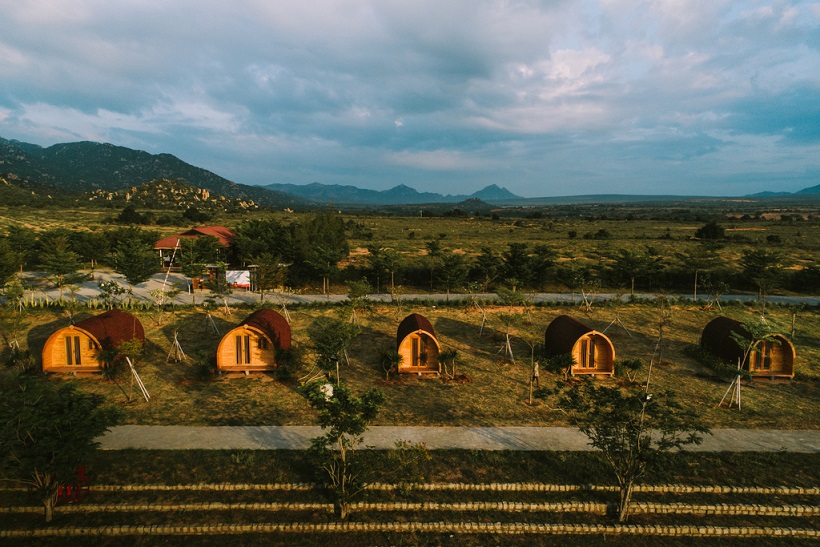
x,y
521,93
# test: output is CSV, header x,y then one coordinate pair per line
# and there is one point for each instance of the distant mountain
x,y
811,191
82,167
398,195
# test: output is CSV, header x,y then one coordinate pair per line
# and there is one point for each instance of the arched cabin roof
x,y
717,338
413,323
272,324
113,327
562,333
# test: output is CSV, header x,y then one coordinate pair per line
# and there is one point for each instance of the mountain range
x,y
32,174
398,195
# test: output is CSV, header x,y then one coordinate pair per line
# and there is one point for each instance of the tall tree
x,y
253,238
383,264
486,267
517,263
541,261
61,262
764,269
268,274
453,272
46,431
9,262
23,242
699,259
317,247
92,246
135,261
632,265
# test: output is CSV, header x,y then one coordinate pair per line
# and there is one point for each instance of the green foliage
x,y
136,261
60,261
390,360
559,364
317,246
46,431
9,261
330,338
631,428
710,230
343,418
628,368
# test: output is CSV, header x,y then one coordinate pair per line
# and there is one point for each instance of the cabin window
x,y
243,350
92,345
588,353
262,343
72,350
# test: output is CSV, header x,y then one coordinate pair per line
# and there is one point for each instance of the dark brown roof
x,y
272,324
717,338
562,334
412,323
113,327
223,234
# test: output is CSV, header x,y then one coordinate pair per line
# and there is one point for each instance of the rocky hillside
x,y
168,194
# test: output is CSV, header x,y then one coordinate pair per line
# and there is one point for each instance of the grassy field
x,y
495,391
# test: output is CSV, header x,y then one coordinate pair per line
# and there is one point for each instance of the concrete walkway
x,y
436,438
89,290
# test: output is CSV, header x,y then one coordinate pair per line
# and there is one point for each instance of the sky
x,y
545,98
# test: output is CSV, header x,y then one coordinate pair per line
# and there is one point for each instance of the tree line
x,y
316,250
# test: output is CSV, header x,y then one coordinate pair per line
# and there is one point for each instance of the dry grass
x,y
497,390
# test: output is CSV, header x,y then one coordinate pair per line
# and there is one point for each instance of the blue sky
x,y
544,97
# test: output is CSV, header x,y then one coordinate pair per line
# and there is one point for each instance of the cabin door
x,y
762,356
243,350
587,353
419,352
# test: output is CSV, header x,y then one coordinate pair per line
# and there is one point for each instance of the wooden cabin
x,y
773,356
255,344
592,351
76,348
418,346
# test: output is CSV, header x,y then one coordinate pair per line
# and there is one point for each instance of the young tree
x,y
46,431
434,254
710,230
344,418
330,338
135,261
631,428
390,360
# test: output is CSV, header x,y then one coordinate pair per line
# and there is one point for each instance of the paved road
x,y
436,438
89,290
